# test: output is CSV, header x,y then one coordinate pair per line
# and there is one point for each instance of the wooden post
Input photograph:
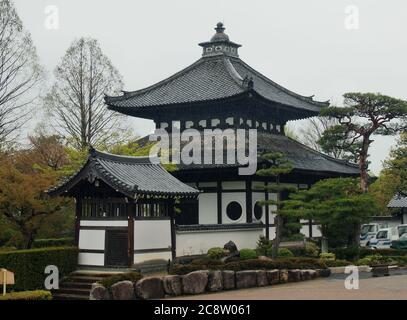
x,y
171,208
130,230
78,214
249,215
219,200
266,198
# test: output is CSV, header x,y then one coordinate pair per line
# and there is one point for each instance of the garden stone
x,y
123,290
273,276
313,274
324,272
195,282
246,279
99,292
228,278
305,275
172,285
294,275
283,276
264,258
150,288
262,278
231,247
215,280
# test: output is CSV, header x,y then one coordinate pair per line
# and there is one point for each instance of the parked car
x,y
401,243
367,232
384,238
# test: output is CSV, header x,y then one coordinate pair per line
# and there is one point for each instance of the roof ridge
x,y
130,94
346,162
275,84
122,158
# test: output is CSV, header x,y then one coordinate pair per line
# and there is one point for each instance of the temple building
x,y
216,204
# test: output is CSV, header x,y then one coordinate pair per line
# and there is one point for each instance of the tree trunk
x,y
276,242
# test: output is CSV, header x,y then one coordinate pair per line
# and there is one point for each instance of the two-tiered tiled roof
x,y
220,74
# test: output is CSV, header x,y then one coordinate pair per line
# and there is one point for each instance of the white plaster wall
x,y
191,243
233,185
316,232
141,257
305,230
92,239
104,223
272,233
239,197
208,208
152,234
208,184
91,259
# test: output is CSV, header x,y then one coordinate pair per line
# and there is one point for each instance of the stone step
x,y
75,291
82,279
79,285
63,296
92,274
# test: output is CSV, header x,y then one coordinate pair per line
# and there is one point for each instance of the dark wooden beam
x,y
78,215
249,213
219,200
171,212
130,206
267,219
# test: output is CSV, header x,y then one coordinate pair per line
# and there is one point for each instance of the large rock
x,y
215,282
123,290
305,275
262,278
246,279
150,288
228,277
172,285
231,247
273,276
324,272
99,292
294,275
283,276
195,282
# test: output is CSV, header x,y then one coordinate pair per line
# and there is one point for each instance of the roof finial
x,y
219,27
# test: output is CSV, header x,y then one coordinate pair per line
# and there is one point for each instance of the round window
x,y
258,211
234,210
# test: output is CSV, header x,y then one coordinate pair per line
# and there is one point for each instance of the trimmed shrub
x,y
246,254
216,253
29,265
28,295
130,276
60,242
374,259
253,264
337,263
348,253
311,249
383,252
284,253
327,256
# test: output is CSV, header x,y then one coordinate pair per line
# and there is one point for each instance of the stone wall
x,y
199,282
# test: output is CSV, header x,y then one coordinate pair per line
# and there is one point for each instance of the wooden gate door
x,y
116,248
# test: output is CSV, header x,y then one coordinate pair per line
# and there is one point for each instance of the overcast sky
x,y
302,45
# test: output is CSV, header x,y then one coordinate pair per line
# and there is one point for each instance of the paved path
x,y
393,287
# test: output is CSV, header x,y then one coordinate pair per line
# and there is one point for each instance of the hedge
x,y
383,252
29,265
60,242
254,264
28,295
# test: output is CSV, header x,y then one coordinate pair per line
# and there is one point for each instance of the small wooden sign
x,y
6,277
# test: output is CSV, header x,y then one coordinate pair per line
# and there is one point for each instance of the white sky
x,y
302,45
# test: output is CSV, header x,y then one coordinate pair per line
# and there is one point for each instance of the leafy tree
x,y
364,115
22,198
76,100
20,73
335,204
276,166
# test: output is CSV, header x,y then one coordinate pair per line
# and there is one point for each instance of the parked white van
x,y
367,232
383,238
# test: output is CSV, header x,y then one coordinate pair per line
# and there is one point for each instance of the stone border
x,y
198,282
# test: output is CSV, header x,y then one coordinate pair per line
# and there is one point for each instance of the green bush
x,y
383,252
347,253
217,253
253,264
311,249
374,259
246,254
28,295
29,265
284,252
46,243
327,256
130,276
264,246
